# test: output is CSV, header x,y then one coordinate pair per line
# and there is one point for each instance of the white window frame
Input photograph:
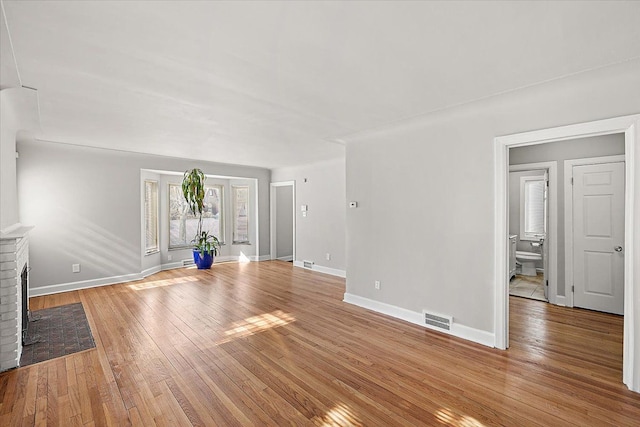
x,y
234,207
151,249
523,209
188,244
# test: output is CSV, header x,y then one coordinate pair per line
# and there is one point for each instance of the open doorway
x,y
533,230
628,126
283,226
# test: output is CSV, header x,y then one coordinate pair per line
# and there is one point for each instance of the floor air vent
x,y
187,262
438,320
308,264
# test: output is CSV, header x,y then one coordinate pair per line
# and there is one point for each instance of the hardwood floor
x,y
269,344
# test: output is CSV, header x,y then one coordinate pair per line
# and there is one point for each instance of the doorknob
x,y
618,249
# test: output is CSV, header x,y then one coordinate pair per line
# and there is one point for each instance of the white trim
x,y
171,265
272,211
322,269
285,258
568,215
149,271
114,280
84,284
552,235
256,190
628,125
457,330
523,234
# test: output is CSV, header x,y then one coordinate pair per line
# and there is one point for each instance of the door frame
x,y
630,127
272,215
552,232
568,212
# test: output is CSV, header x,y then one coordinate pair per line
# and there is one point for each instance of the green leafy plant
x,y
193,191
206,243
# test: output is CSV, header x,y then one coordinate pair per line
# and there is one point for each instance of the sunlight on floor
x,y
255,324
161,283
243,258
448,417
340,415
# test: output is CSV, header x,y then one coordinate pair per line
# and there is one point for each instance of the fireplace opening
x,y
24,279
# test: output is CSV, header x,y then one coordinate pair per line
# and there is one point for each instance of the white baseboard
x,y
226,258
321,269
171,265
260,258
561,300
105,281
457,330
153,270
83,284
285,258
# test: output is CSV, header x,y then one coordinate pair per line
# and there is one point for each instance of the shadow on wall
x,y
97,249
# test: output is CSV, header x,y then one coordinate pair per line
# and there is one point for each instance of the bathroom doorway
x,y
532,230
626,127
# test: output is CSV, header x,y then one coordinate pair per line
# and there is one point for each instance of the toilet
x,y
527,261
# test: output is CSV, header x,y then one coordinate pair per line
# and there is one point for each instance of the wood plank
x,y
269,344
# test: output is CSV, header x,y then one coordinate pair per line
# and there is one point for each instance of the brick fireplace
x,y
14,273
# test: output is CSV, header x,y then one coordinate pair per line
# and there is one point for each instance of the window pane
x,y
183,225
151,216
240,214
534,207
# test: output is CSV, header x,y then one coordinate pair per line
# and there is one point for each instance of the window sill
x,y
156,251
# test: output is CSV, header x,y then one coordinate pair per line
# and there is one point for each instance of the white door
x,y
598,237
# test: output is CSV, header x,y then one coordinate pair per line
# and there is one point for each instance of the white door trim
x,y
630,126
568,214
272,215
552,235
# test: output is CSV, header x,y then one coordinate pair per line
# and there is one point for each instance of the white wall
x,y
322,231
85,204
424,226
597,146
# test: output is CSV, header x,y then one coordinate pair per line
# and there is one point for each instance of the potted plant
x,y
206,245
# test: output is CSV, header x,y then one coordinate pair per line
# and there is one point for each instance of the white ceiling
x,y
276,84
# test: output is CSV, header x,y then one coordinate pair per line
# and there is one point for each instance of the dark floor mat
x,y
55,332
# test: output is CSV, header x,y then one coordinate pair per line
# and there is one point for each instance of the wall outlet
x,y
169,257
328,256
75,268
377,284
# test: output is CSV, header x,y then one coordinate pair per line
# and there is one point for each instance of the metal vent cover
x,y
307,264
438,320
186,262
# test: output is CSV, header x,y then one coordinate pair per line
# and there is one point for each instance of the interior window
x,y
183,224
151,216
532,222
